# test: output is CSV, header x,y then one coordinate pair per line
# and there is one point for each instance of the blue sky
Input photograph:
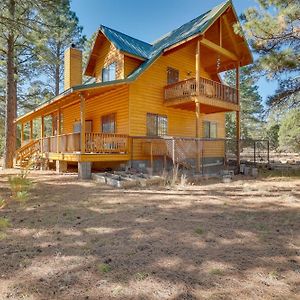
x,y
149,19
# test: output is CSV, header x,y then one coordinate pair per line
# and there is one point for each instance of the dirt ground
x,y
82,240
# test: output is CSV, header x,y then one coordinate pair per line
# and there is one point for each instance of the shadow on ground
x,y
79,240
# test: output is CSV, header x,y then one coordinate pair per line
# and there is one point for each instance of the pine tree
x,y
18,19
274,33
289,132
251,106
65,31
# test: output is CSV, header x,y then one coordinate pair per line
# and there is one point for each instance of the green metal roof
x,y
127,43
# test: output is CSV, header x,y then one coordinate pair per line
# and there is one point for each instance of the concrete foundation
x,y
61,166
84,170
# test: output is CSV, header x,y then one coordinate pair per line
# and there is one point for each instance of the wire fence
x,y
205,156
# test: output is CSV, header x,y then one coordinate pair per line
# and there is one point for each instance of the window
x,y
77,126
173,75
108,123
210,130
157,125
109,73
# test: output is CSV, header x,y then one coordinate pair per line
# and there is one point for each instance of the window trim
x,y
115,122
210,132
169,69
107,69
157,122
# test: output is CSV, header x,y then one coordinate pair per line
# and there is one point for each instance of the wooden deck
x,y
67,147
213,95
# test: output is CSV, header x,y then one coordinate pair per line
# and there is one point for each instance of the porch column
x,y
52,125
197,105
82,124
22,134
42,130
58,130
238,125
31,130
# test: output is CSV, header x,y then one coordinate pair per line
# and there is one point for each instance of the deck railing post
x,y
82,123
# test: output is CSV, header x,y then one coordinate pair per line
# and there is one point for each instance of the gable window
x,y
172,75
210,130
108,123
157,125
109,73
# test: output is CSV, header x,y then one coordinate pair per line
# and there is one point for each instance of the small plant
x,y
22,196
199,230
2,203
183,180
141,276
274,275
4,224
20,186
216,272
104,268
174,175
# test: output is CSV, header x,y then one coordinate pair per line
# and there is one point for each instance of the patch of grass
x,y
2,203
4,224
104,268
199,230
261,227
274,275
216,272
22,196
141,276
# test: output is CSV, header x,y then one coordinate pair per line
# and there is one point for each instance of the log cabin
x,y
139,91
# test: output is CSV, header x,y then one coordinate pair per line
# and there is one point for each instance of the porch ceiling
x,y
66,99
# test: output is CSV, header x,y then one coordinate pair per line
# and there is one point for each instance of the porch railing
x,y
207,88
94,143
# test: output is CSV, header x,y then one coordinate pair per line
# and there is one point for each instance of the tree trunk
x,y
57,71
11,96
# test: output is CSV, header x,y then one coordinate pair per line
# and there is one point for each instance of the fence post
x,y
173,151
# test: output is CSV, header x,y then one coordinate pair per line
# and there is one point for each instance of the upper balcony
x,y
213,96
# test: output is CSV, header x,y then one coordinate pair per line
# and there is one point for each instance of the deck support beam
x,y
238,125
82,124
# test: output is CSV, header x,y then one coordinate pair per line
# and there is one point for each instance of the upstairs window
x,y
172,75
210,130
108,123
109,73
157,125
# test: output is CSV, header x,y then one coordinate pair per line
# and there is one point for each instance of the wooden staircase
x,y
25,154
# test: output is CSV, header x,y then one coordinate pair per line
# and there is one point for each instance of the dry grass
x,y
81,240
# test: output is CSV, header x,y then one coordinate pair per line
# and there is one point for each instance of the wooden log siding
x,y
207,88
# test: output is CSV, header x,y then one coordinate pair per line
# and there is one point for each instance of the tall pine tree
x,y
251,106
273,30
65,31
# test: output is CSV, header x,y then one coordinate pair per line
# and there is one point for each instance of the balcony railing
x,y
102,143
207,88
